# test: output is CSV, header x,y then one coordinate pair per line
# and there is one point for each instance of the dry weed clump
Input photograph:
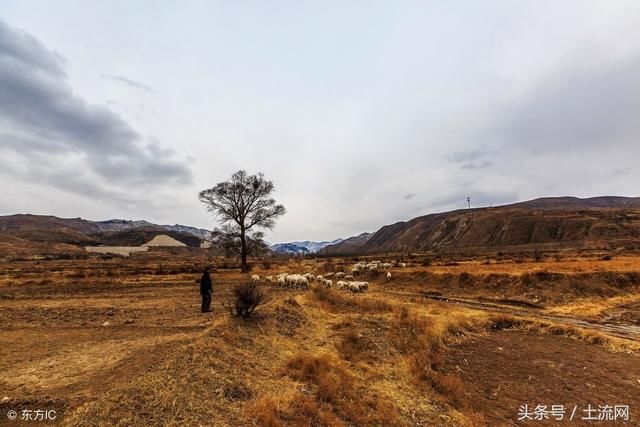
x,y
413,333
335,398
450,386
247,297
264,413
353,345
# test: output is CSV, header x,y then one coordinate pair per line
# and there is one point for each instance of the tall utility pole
x,y
469,202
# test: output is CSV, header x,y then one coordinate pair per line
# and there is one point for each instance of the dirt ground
x,y
121,341
506,369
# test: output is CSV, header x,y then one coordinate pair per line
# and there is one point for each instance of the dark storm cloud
x,y
128,82
580,105
39,113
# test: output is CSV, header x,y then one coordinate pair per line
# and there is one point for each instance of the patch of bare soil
x,y
506,369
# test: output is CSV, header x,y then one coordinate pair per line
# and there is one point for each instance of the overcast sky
x,y
362,113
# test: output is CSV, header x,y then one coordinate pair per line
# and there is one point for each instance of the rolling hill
x,y
565,222
22,229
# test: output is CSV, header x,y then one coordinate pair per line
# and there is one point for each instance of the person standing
x,y
205,291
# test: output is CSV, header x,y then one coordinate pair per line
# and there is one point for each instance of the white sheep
x,y
269,279
329,274
291,280
402,265
341,284
358,286
388,276
339,275
319,278
302,282
281,281
348,277
328,283
255,279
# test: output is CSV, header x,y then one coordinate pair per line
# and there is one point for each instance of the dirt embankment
x,y
539,287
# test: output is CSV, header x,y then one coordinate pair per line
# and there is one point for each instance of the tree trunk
x,y
243,250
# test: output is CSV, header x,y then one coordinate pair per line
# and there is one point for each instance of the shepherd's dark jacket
x,y
205,283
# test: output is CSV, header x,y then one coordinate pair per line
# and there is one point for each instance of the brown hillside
x,y
22,223
50,229
347,246
563,222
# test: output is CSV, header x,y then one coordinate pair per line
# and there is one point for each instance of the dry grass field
x,y
121,341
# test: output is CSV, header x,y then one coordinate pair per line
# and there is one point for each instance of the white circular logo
x,y
12,415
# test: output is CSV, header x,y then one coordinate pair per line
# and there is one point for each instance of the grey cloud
x,y
621,172
128,82
577,106
20,47
40,113
479,198
473,166
471,155
409,196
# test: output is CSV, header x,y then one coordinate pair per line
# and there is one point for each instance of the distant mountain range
x,y
123,224
552,222
78,231
561,222
303,247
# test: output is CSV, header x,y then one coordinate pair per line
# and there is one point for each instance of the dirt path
x,y
626,331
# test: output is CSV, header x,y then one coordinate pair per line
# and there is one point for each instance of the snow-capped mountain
x,y
302,247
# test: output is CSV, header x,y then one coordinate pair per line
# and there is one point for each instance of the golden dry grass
x,y
322,357
593,307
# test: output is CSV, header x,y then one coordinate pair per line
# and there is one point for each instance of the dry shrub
x,y
237,392
386,414
337,400
306,367
246,298
421,365
307,412
473,419
451,387
538,256
413,333
327,267
264,413
353,345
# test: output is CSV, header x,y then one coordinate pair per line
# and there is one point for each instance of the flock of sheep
x,y
346,282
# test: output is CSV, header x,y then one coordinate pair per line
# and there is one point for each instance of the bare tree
x,y
228,238
240,204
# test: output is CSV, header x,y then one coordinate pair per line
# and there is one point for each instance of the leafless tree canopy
x,y
242,204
